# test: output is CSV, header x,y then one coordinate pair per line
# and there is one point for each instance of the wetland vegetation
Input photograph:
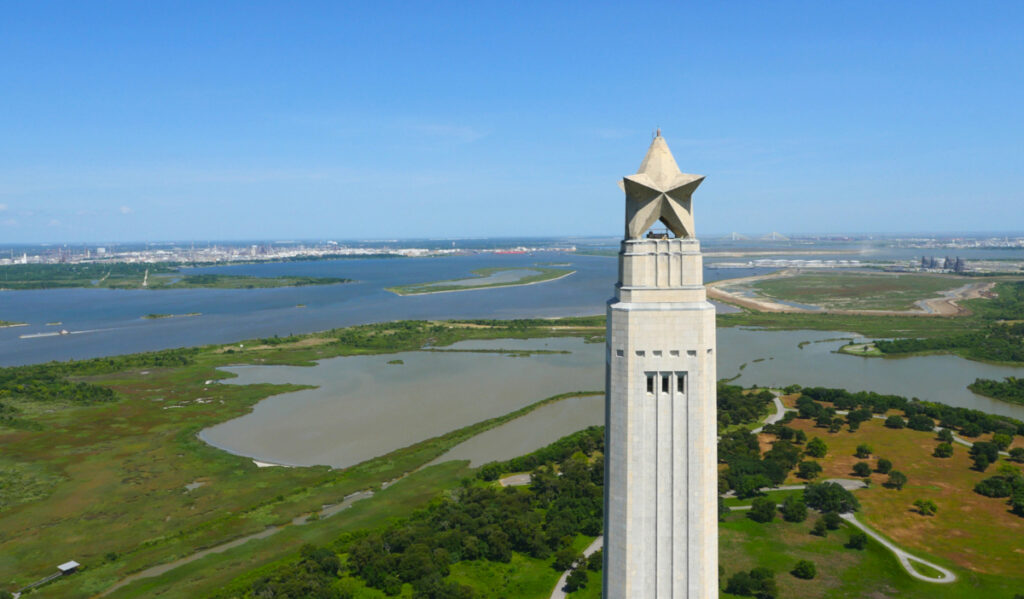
x,y
139,276
485,278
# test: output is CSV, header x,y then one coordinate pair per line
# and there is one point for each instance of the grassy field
x,y
970,532
842,573
857,291
105,483
543,274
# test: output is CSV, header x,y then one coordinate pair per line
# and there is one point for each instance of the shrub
x,y
883,466
943,450
832,520
858,540
576,580
794,509
926,507
895,422
819,528
1017,454
946,435
816,448
995,486
805,569
762,510
863,451
862,469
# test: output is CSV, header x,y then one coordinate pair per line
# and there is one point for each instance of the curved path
x,y
780,411
904,557
558,593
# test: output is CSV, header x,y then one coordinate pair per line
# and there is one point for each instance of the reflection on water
x,y
365,407
541,427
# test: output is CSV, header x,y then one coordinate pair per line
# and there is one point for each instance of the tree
x,y
801,437
808,470
576,580
926,507
863,451
816,448
896,480
946,435
1002,440
981,462
921,422
883,466
895,421
832,520
794,509
830,497
858,540
819,528
762,510
1017,454
943,450
862,469
565,558
805,569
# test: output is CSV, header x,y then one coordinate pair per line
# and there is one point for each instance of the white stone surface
x,y
661,509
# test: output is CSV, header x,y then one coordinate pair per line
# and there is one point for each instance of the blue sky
x,y
221,120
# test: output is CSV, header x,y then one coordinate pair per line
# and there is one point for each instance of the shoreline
x,y
496,285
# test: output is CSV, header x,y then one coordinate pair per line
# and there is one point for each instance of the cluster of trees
x,y
738,407
996,342
759,583
1008,483
748,471
1010,389
565,499
586,441
917,415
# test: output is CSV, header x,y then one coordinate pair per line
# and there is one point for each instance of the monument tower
x,y
661,485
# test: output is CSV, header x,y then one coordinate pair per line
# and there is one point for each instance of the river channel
x,y
364,407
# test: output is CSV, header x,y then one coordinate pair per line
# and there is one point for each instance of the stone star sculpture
x,y
659,191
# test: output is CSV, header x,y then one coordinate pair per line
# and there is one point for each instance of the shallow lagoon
x,y
365,407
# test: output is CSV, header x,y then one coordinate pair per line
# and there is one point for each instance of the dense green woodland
x,y
1010,389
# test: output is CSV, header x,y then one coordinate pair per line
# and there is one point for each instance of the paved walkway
x,y
780,411
904,557
558,593
516,480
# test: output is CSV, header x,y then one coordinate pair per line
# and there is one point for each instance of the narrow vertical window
x,y
681,382
650,383
665,383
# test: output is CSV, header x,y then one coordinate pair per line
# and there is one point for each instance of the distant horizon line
x,y
748,236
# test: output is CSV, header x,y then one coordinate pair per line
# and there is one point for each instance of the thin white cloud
x,y
11,222
126,210
53,223
3,207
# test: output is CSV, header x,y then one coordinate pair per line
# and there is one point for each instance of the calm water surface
x,y
365,407
109,322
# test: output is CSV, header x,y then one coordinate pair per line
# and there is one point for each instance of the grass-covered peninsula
x,y
484,278
138,276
